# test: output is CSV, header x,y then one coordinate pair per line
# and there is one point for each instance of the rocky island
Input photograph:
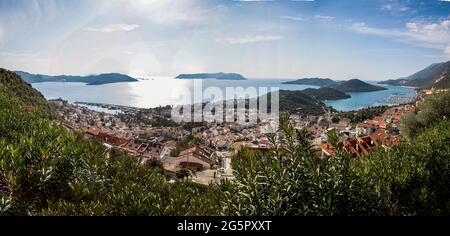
x,y
106,78
313,81
356,86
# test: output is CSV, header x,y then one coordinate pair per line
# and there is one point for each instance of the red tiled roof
x,y
378,118
345,120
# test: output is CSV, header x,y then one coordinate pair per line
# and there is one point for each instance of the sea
x,y
162,91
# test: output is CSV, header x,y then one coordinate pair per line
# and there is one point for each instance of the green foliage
x,y
13,86
434,109
52,172
412,178
48,170
181,145
296,102
361,114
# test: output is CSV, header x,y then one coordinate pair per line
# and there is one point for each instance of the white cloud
x,y
324,18
114,28
166,12
296,18
24,61
394,6
315,17
251,39
434,35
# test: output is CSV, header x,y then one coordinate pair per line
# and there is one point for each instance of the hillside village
x,y
206,150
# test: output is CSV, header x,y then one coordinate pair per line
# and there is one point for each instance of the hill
x,y
313,81
355,86
218,76
106,78
298,102
46,170
13,86
326,93
434,76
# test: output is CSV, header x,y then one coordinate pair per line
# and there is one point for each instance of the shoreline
x,y
129,109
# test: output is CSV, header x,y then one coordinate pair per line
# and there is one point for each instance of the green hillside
x,y
436,75
47,170
313,81
356,86
326,93
297,102
13,86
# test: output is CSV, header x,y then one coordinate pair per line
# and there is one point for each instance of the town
x,y
203,151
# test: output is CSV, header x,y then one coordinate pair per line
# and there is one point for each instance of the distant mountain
x,y
89,80
356,85
218,76
326,93
313,81
434,76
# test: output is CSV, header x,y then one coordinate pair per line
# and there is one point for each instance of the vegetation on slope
x,y
313,81
13,86
297,102
434,109
50,171
412,178
47,170
361,114
326,93
436,75
356,86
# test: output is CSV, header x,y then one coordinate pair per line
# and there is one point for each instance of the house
x,y
355,147
199,157
345,121
113,140
93,130
365,145
153,150
134,145
384,138
378,118
351,147
27,107
327,150
364,129
323,121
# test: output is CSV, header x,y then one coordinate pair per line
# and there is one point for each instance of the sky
x,y
339,39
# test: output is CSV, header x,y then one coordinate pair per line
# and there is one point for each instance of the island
x,y
326,93
313,81
100,79
297,102
356,86
218,76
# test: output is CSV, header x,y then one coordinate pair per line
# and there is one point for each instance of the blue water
x,y
364,100
161,91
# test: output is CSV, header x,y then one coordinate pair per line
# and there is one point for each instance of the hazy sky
x,y
371,40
